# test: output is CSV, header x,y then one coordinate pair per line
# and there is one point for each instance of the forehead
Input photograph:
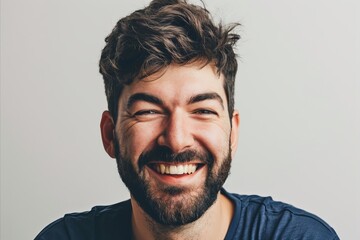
x,y
178,83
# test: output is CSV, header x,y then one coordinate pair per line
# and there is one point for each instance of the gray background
x,y
298,94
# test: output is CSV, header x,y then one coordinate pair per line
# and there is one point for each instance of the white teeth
x,y
176,169
162,168
173,169
180,169
186,168
167,170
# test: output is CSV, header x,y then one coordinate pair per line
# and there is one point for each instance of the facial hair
x,y
169,205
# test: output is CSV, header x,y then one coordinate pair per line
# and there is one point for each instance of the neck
x,y
213,224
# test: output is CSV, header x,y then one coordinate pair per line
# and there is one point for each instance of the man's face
x,y
173,142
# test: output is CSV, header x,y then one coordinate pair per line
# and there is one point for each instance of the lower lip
x,y
183,179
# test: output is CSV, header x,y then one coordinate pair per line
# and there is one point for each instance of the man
x,y
169,76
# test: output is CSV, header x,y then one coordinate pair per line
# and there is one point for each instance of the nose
x,y
177,134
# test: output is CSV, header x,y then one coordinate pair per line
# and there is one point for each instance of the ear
x,y
235,121
107,128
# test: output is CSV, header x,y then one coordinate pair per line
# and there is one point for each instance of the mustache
x,y
165,154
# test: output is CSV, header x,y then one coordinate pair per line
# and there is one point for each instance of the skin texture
x,y
181,108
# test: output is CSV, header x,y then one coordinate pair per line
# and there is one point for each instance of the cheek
x,y
215,137
137,139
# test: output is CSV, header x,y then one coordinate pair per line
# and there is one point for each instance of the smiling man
x,y
169,77
173,142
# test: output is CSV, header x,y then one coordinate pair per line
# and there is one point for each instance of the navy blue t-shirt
x,y
254,218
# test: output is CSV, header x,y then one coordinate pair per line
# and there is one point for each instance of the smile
x,y
175,169
177,174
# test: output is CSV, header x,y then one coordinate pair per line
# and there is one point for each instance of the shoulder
x,y
278,220
104,222
55,230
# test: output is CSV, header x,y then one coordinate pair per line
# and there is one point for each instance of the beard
x,y
171,205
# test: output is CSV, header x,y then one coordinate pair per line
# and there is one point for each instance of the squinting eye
x,y
205,112
145,112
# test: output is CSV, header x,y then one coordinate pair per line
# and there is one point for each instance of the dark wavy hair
x,y
163,33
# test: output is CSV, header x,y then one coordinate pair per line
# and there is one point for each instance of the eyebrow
x,y
143,97
152,99
206,96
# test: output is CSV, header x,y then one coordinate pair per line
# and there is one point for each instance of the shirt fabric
x,y
254,217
